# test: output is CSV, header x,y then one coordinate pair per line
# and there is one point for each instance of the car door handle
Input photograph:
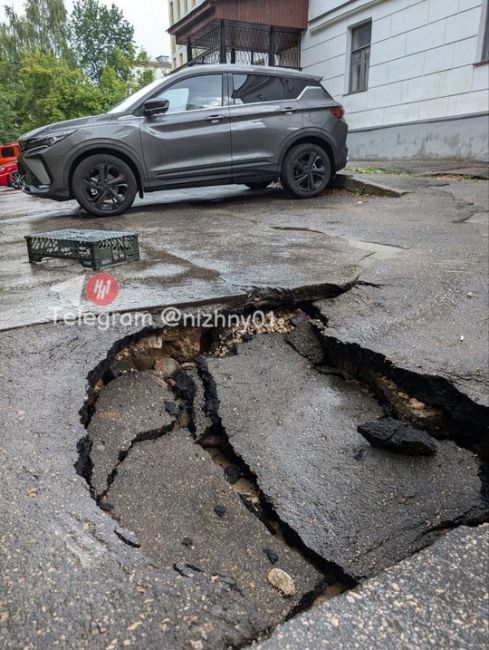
x,y
288,109
215,118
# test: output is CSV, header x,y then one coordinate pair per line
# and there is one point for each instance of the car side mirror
x,y
155,107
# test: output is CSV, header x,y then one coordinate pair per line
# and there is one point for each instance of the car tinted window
x,y
293,86
252,88
204,91
8,152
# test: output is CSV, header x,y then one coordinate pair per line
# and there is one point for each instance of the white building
x,y
412,74
177,9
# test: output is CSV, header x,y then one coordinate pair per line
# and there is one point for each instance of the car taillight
x,y
338,111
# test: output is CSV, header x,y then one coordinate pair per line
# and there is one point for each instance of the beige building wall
x,y
177,9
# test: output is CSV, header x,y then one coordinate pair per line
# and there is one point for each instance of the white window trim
x,y
482,31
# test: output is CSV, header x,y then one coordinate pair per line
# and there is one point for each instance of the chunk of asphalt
x,y
296,430
127,536
129,406
166,491
306,341
272,555
233,473
220,510
398,437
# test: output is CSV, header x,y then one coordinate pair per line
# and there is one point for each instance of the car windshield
x,y
127,103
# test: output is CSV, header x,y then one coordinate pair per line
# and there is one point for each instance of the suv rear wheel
x,y
104,185
306,170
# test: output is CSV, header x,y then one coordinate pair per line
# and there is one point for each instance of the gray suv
x,y
205,125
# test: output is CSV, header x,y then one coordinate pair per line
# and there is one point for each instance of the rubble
x,y
398,437
281,581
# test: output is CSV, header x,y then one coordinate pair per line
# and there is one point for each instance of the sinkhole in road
x,y
234,454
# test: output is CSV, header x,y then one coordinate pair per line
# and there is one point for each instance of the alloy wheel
x,y
105,187
308,171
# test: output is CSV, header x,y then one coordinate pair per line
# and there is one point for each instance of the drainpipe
x,y
222,42
271,46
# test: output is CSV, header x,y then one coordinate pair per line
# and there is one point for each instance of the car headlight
x,y
48,140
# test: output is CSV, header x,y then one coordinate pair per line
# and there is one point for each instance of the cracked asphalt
x,y
402,278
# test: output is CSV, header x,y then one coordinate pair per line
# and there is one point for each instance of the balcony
x,y
254,32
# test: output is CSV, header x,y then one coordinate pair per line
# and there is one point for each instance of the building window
x,y
360,57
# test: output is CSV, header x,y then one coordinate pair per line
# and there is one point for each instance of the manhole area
x,y
237,455
159,463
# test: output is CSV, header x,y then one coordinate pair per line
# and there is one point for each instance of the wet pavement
x,y
398,284
206,245
435,599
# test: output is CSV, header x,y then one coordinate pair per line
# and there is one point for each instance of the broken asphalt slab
x,y
186,515
435,599
296,430
66,576
423,313
130,407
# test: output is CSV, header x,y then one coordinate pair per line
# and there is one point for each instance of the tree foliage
x,y
55,67
43,27
101,36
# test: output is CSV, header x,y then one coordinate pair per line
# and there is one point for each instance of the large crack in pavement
x,y
234,455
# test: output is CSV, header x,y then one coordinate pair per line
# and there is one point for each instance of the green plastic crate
x,y
93,248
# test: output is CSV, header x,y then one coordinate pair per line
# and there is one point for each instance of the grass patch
x,y
380,171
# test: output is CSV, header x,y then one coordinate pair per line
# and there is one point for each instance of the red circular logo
x,y
102,289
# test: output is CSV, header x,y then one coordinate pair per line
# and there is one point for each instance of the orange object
x,y
8,153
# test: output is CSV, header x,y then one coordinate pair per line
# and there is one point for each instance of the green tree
x,y
43,27
50,73
53,91
101,36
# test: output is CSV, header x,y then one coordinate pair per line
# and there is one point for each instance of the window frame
x,y
483,42
352,51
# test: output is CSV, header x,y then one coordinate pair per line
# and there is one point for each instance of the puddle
x,y
376,252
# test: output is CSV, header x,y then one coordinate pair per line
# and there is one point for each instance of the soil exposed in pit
x,y
231,455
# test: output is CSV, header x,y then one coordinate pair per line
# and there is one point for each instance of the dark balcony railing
x,y
229,42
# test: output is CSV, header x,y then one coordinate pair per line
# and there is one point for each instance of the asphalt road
x,y
403,278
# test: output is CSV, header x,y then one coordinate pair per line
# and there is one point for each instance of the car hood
x,y
66,125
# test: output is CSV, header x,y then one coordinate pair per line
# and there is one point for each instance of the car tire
x,y
306,171
259,185
104,185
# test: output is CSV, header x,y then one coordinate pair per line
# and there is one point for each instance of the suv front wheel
x,y
306,171
104,185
